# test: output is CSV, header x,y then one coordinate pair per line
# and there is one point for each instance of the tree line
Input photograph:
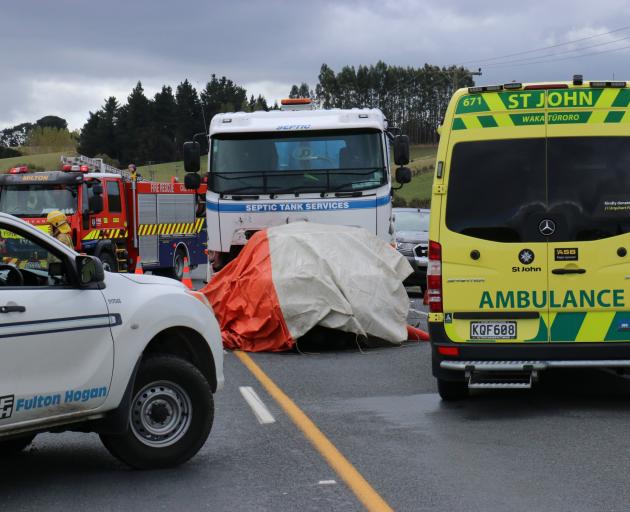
x,y
154,129
412,99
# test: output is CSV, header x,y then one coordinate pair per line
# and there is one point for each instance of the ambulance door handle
x,y
562,271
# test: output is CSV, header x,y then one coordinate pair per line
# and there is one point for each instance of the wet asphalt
x,y
562,446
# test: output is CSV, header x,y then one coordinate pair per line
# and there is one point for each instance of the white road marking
x,y
418,312
327,482
260,409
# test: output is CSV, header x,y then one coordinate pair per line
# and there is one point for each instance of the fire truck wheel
x,y
177,271
170,418
109,262
16,445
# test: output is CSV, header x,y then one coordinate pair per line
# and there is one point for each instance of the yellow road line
x,y
354,480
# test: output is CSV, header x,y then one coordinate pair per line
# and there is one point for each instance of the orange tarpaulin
x,y
245,302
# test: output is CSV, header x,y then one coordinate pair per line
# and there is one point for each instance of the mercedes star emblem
x,y
547,227
526,256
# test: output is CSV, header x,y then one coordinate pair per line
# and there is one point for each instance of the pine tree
x,y
188,115
163,127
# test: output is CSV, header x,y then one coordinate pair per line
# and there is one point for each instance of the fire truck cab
x,y
113,215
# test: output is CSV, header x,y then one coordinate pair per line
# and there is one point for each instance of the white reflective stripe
x,y
260,409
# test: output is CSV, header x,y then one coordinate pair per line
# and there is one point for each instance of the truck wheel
x,y
177,272
109,262
451,390
170,418
16,445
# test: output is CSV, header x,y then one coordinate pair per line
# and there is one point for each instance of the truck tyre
x,y
177,272
452,390
170,418
109,262
16,445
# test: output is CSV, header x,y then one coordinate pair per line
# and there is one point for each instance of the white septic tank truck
x,y
296,164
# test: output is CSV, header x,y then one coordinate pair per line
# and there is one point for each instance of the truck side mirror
x,y
401,150
403,175
192,181
97,189
192,156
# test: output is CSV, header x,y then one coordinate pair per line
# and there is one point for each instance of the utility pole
x,y
456,76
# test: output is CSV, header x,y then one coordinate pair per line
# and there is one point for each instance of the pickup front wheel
x,y
170,418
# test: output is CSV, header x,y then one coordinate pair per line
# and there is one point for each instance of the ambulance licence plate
x,y
492,330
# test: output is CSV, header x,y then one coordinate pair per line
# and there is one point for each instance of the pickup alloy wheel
x,y
170,417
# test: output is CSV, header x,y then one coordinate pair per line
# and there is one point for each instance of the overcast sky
x,y
65,57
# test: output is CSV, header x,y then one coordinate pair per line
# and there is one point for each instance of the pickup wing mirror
x,y
90,270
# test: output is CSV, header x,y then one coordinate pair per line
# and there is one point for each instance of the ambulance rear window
x,y
589,187
494,187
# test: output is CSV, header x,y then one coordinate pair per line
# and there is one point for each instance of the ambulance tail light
x,y
434,277
448,351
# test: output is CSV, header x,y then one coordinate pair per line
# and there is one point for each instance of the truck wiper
x,y
297,190
237,190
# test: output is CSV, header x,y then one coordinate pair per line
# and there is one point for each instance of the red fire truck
x,y
114,214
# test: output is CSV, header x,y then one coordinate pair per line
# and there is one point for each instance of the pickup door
x,y
56,348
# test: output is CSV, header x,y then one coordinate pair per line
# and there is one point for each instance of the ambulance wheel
x,y
452,390
16,445
171,415
108,261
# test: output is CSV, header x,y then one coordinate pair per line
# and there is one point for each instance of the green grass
x,y
46,161
163,172
422,162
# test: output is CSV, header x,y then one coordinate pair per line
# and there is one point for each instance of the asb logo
x,y
547,227
526,256
6,406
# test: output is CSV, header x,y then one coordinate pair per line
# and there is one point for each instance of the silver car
x,y
412,241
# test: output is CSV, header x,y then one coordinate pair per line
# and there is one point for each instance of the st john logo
x,y
6,406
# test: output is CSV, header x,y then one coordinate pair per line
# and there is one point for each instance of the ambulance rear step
x,y
500,380
518,374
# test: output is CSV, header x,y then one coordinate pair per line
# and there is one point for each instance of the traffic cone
x,y
186,277
138,267
415,334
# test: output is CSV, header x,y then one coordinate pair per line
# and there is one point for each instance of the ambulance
x,y
528,254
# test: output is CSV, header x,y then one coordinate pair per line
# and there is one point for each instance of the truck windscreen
x,y
294,162
37,200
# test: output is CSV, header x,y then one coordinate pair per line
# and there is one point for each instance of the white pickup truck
x,y
135,358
